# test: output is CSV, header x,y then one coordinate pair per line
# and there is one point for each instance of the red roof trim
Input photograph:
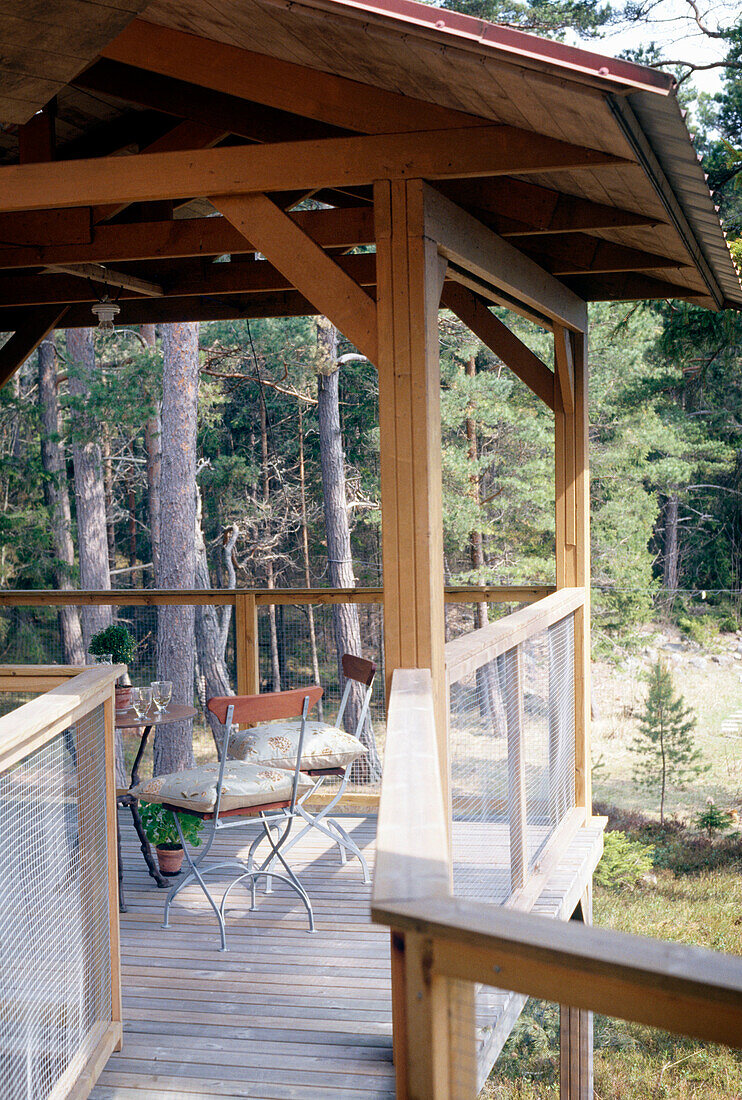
x,y
516,46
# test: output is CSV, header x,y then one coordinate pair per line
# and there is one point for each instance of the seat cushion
x,y
245,785
275,743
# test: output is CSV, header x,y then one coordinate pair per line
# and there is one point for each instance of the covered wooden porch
x,y
372,163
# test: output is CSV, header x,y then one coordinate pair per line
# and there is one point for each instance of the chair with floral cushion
x,y
328,752
231,793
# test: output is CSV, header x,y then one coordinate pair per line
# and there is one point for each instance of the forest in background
x,y
282,416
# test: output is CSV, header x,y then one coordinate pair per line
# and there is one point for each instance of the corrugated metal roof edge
x,y
661,121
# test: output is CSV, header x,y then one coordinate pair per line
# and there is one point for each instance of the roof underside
x,y
646,227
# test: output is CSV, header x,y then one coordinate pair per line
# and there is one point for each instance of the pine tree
x,y
664,746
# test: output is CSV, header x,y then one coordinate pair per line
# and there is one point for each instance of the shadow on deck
x,y
281,1014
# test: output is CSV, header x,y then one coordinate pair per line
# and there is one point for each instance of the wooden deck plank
x,y
284,1015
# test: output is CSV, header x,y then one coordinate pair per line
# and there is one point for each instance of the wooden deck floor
x,y
285,1014
281,1014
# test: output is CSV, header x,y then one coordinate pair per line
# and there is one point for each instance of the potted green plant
x,y
118,641
159,825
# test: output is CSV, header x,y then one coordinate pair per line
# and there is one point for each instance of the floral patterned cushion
x,y
275,743
244,785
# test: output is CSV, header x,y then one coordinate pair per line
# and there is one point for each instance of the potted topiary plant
x,y
117,641
159,825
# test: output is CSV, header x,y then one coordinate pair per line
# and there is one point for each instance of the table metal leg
x,y
122,903
146,850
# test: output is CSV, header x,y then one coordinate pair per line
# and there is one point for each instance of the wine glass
x,y
162,691
141,700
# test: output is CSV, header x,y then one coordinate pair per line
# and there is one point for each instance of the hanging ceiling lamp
x,y
105,310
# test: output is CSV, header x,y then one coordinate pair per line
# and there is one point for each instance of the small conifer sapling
x,y
664,749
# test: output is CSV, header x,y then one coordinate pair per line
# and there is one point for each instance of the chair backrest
x,y
358,668
252,709
236,709
361,671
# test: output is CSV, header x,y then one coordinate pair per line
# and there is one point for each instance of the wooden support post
x,y
573,546
247,643
427,1025
112,843
576,1033
410,278
510,673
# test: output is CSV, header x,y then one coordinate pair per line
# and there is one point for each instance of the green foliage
x,y
159,825
552,18
624,861
116,640
712,819
664,747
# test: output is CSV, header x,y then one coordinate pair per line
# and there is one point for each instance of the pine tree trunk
x,y
337,529
212,628
270,581
56,494
90,497
671,557
152,430
485,676
305,554
173,749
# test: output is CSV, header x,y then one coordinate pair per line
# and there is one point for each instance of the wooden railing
x,y
443,946
60,1010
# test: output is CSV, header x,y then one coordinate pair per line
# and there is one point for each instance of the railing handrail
x,y
466,654
32,725
687,990
131,597
412,850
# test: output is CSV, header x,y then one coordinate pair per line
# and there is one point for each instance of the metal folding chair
x,y
248,709
355,670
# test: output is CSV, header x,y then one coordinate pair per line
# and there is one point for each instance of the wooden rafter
x,y
187,100
34,327
464,241
628,287
192,281
580,254
99,274
518,207
476,315
310,270
306,165
280,84
66,237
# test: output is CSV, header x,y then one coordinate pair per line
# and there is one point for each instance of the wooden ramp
x,y
285,1014
281,1014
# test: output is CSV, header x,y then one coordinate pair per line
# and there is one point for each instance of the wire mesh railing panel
x,y
55,960
511,736
301,644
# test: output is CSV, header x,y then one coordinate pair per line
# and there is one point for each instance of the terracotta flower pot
x,y
123,698
170,860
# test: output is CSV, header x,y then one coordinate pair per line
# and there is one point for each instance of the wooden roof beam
x,y
476,315
629,287
565,367
580,254
520,208
321,280
212,279
144,311
465,242
59,239
99,274
303,165
184,99
33,327
284,85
